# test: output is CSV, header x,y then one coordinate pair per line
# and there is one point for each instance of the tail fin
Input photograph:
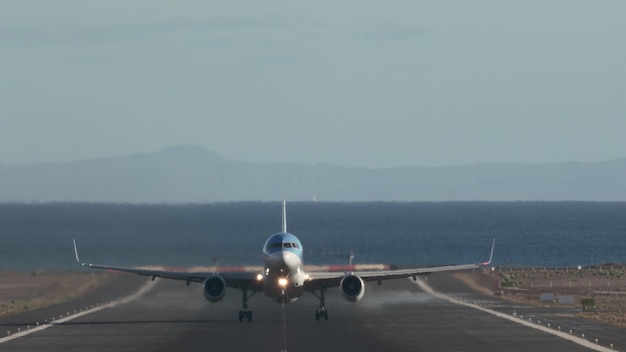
x,y
284,216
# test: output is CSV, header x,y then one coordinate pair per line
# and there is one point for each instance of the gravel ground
x,y
597,292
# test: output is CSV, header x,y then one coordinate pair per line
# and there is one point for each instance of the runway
x,y
396,316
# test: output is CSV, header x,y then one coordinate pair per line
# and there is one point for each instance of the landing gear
x,y
245,313
283,297
321,312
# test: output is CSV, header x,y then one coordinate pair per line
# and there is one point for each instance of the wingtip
x,y
493,245
76,252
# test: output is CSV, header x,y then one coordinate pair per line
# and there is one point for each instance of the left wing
x,y
233,279
333,279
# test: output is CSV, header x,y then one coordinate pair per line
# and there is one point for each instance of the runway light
x,y
282,282
259,277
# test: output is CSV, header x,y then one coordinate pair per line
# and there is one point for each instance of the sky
x,y
354,83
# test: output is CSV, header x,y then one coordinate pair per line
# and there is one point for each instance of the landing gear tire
x,y
245,314
321,313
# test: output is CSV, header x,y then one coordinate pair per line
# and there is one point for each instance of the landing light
x,y
282,282
259,277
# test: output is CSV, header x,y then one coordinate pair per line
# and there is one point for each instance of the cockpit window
x,y
282,245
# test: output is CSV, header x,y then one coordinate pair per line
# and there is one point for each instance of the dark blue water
x,y
39,236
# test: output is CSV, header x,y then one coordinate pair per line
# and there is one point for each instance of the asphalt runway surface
x,y
397,316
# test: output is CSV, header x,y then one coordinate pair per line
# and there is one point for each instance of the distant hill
x,y
192,174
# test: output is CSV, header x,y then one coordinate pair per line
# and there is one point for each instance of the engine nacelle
x,y
214,288
352,288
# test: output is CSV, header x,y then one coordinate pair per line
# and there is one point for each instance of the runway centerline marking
x,y
140,292
424,286
283,346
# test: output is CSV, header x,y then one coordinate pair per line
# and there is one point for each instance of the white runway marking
x,y
283,345
141,291
424,286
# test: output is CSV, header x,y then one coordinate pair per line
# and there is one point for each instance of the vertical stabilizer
x,y
284,216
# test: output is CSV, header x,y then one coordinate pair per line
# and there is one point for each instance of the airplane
x,y
283,279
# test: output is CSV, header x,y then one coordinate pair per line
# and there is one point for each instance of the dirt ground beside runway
x,y
597,292
20,291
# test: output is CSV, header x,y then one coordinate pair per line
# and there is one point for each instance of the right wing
x,y
233,279
333,279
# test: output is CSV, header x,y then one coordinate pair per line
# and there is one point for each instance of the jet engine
x,y
352,288
214,288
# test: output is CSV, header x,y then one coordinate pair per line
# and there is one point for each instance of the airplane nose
x,y
288,258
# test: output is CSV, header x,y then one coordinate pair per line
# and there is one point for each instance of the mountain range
x,y
190,174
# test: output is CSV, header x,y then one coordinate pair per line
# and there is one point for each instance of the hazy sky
x,y
357,83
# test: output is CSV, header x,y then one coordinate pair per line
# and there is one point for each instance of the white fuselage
x,y
283,277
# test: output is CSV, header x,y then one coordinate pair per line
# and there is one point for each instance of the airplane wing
x,y
333,279
233,279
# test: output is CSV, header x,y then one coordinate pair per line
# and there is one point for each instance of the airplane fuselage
x,y
283,277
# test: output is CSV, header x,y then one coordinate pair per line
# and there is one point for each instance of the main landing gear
x,y
245,313
321,312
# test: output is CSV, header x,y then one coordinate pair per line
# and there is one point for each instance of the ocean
x,y
35,237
